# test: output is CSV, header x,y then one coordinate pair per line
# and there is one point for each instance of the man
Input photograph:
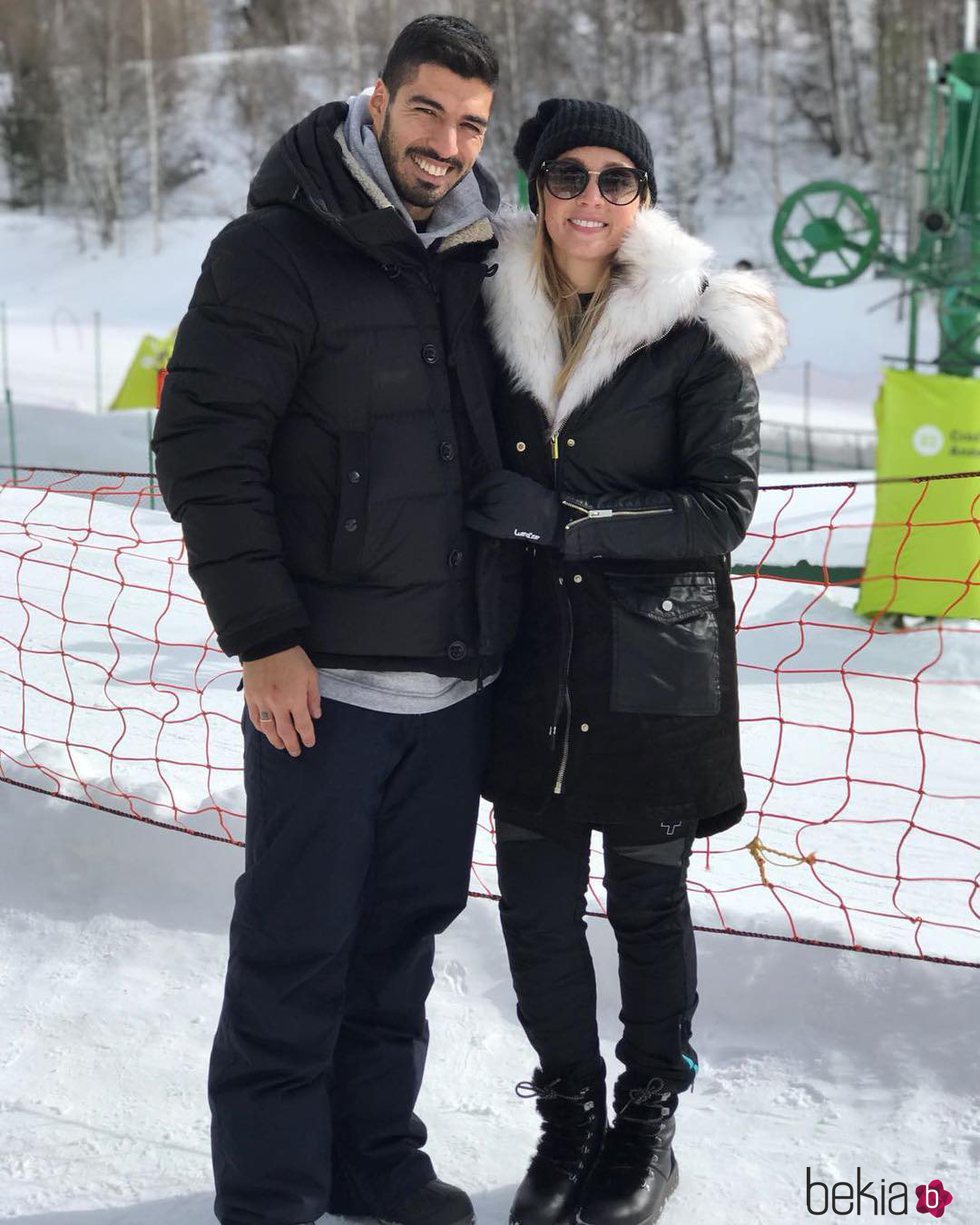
x,y
326,409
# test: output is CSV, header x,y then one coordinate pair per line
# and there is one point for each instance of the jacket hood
x,y
663,277
311,168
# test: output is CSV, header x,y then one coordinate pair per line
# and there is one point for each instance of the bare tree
x,y
767,15
92,92
152,122
30,131
721,115
828,93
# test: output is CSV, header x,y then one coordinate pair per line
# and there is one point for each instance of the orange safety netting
x,y
861,736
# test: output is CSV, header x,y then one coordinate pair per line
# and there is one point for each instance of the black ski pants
x,y
357,853
543,885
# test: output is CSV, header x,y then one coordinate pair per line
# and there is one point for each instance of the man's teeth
x,y
430,167
587,225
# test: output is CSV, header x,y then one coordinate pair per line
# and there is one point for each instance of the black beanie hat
x,y
561,124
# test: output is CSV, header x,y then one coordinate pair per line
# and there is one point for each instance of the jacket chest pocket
x,y
665,644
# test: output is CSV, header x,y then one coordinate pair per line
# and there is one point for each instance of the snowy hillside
x,y
57,365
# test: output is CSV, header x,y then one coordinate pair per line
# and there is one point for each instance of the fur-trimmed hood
x,y
662,270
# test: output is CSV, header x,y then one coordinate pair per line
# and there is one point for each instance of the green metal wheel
x,y
826,234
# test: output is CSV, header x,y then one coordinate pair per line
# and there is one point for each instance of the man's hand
x,y
509,506
283,698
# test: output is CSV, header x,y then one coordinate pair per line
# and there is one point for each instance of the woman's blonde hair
x,y
575,326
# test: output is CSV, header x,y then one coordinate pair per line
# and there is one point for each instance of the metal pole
x,y
98,362
932,170
11,430
149,450
7,394
3,344
522,196
807,432
913,328
970,25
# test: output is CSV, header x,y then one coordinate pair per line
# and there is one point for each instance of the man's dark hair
x,y
452,42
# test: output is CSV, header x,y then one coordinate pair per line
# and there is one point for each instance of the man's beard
x,y
419,194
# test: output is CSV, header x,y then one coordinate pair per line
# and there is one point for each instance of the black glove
x,y
513,507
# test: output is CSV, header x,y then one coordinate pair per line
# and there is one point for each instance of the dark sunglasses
x,y
618,184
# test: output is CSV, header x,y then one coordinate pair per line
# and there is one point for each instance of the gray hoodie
x,y
474,198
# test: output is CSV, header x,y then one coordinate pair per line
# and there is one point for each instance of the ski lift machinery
x,y
827,233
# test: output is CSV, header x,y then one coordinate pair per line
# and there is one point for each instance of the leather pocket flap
x,y
668,598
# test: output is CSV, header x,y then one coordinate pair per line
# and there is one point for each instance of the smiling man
x,y
326,410
424,152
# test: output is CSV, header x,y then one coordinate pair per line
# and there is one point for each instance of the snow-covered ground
x,y
113,938
113,932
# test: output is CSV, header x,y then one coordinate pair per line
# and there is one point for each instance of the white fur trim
x,y
741,312
658,284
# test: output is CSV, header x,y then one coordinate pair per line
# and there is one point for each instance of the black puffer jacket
x,y
621,693
328,401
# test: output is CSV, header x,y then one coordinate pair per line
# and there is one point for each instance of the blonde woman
x,y
630,425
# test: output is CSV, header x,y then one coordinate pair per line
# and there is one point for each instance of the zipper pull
x,y
554,446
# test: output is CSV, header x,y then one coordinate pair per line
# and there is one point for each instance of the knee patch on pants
x,y
673,854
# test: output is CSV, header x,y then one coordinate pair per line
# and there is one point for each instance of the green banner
x,y
924,551
139,387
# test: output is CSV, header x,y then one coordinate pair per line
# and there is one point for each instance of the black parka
x,y
327,405
621,693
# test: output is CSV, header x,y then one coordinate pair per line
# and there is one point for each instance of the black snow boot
x,y
435,1203
636,1170
573,1122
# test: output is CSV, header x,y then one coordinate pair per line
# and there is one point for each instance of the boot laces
x,y
549,1092
565,1133
634,1140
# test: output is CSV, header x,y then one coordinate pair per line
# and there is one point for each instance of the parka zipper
x,y
613,514
563,704
566,702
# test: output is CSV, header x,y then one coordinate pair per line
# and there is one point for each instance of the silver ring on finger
x,y
265,716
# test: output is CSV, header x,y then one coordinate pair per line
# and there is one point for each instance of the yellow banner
x,y
924,551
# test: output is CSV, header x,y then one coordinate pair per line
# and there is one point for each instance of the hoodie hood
x,y
474,198
663,277
312,168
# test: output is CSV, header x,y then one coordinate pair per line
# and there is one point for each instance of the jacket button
x,y
455,557
457,650
584,727
350,525
522,447
447,451
353,476
576,578
667,605
430,354
569,442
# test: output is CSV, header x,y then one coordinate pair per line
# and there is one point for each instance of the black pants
x,y
543,885
357,853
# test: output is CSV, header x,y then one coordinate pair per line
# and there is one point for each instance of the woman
x,y
630,424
